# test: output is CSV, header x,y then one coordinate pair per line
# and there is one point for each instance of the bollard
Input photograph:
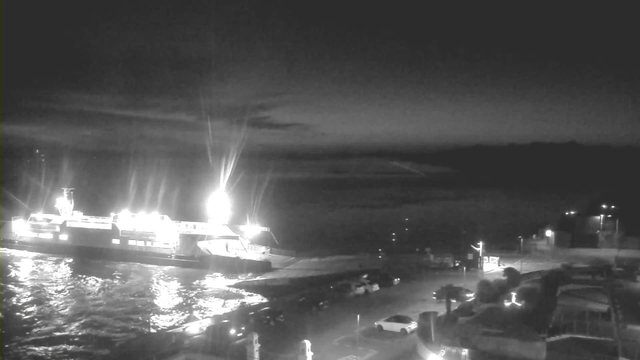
x,y
426,326
253,347
305,350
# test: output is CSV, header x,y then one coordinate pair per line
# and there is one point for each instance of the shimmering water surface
x,y
70,308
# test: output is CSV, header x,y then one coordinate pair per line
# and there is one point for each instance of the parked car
x,y
224,333
384,279
348,290
265,316
369,286
460,294
312,303
398,323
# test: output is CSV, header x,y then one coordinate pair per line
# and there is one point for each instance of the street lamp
x,y
479,250
521,243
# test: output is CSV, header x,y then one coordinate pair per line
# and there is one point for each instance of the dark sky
x,y
317,74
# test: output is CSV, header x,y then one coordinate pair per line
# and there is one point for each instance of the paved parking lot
x,y
336,334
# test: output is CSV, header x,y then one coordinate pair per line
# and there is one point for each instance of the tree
x,y
513,277
450,292
486,292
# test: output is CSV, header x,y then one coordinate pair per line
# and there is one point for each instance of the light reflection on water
x,y
61,308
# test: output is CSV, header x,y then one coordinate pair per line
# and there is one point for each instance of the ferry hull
x,y
124,254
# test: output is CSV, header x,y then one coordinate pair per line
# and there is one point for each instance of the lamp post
x,y
479,250
521,244
358,336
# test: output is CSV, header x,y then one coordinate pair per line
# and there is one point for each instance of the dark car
x,y
460,294
265,316
384,279
224,333
312,303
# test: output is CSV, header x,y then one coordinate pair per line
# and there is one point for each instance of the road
x,y
336,334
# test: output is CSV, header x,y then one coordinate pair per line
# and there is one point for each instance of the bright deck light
x,y
548,233
219,207
252,230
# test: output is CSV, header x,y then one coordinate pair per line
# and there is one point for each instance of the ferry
x,y
139,237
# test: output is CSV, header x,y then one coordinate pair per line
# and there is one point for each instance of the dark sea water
x,y
68,308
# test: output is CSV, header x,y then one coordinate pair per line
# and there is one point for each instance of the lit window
x,y
115,241
45,235
63,237
132,242
140,243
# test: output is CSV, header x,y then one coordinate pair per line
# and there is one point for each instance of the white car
x,y
398,323
370,286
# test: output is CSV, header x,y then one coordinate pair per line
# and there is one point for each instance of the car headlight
x,y
470,295
232,331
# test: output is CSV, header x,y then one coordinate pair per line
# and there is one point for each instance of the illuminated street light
x,y
513,301
219,207
479,249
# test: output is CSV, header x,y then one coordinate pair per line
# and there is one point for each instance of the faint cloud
x,y
268,123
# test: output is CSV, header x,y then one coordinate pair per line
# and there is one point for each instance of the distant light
x,y
566,213
613,206
572,212
45,235
379,249
393,233
608,215
548,233
604,206
407,229
232,331
406,219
